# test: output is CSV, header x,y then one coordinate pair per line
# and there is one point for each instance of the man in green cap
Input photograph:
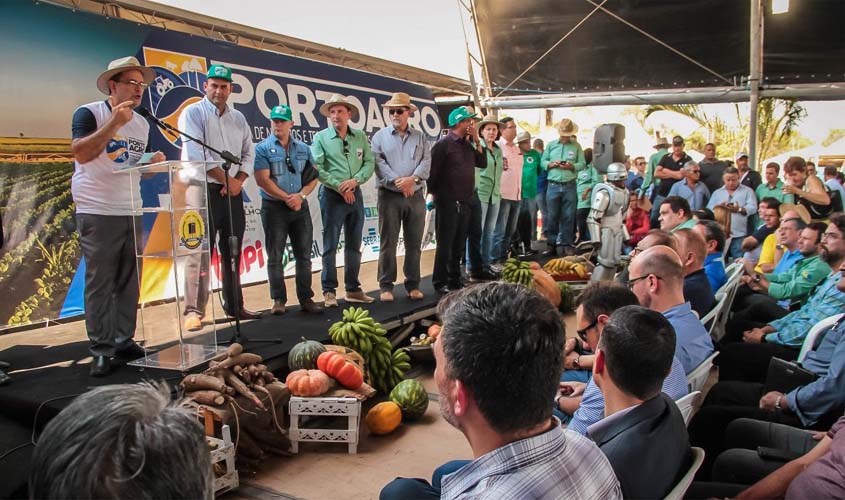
x,y
224,128
344,159
284,170
451,183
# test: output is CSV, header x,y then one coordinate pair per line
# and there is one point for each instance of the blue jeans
x,y
403,488
527,225
576,376
280,222
562,200
482,223
735,250
505,226
337,215
541,204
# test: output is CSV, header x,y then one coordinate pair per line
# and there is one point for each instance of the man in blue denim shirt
x,y
284,170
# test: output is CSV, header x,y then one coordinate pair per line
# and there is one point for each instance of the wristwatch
x,y
577,362
416,180
303,196
777,402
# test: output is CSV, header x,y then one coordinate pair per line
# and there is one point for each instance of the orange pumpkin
x,y
434,331
336,366
546,285
308,383
384,418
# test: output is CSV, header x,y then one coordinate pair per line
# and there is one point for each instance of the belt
x,y
562,183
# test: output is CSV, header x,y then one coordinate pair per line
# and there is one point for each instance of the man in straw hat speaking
x,y
222,127
403,161
343,157
563,159
107,136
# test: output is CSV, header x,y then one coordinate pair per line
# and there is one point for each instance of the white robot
x,y
606,220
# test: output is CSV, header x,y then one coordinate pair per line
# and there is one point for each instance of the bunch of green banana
x,y
519,272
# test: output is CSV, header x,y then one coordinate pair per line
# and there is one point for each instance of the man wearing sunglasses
x,y
403,161
344,159
109,135
284,170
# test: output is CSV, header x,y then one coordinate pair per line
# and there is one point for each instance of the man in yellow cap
x,y
107,136
344,159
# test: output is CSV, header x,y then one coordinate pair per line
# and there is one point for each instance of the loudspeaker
x,y
608,146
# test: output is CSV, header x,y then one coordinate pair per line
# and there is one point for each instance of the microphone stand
x,y
232,241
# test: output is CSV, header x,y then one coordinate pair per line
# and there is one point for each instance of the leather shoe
x,y
278,308
245,314
442,290
310,307
101,366
133,351
4,379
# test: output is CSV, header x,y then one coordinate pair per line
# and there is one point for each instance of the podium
x,y
174,253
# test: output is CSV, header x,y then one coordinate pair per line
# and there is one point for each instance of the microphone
x,y
225,155
146,114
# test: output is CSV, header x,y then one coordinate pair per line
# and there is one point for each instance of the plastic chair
x,y
709,318
687,404
814,333
698,376
680,489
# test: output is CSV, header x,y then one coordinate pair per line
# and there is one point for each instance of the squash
x,y
304,355
308,383
434,331
545,284
567,298
335,365
383,418
410,395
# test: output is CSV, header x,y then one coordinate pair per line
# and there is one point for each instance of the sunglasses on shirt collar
x,y
289,163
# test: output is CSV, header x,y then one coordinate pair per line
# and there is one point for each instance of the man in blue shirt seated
x,y
643,433
697,291
714,263
657,279
499,358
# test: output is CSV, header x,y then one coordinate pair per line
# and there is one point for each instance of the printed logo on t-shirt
x,y
120,149
529,160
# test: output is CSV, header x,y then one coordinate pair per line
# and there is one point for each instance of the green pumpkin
x,y
566,297
410,395
304,355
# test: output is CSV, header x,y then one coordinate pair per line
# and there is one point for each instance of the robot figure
x,y
606,220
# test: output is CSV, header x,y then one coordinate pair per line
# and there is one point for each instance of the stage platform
x,y
48,378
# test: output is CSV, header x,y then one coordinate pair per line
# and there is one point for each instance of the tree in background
x,y
833,136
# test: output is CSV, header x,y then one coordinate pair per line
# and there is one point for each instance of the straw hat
x,y
662,142
400,100
801,210
335,100
487,119
119,66
523,136
567,127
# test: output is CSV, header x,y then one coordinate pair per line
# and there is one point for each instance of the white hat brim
x,y
105,76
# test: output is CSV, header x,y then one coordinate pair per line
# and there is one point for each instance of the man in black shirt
x,y
669,170
451,182
750,178
712,168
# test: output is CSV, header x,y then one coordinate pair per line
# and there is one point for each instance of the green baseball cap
x,y
281,112
460,114
219,71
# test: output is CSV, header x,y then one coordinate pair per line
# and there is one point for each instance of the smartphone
x,y
776,454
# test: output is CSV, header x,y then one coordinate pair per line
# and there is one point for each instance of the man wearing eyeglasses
x,y
403,161
344,159
224,128
635,176
107,136
284,170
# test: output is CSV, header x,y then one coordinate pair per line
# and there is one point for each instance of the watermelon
x,y
411,397
304,355
566,297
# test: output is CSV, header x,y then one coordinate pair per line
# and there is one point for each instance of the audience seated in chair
x,y
714,262
594,306
499,359
657,279
768,210
697,291
643,433
122,442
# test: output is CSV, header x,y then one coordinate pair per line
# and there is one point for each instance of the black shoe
x,y
442,290
485,274
245,314
134,351
310,307
101,366
4,365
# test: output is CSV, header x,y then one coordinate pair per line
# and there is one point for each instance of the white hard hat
x,y
616,172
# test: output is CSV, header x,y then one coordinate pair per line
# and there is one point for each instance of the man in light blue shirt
x,y
403,161
656,277
741,202
691,188
833,183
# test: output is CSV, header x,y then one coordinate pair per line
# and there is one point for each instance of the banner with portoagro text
x,y
59,55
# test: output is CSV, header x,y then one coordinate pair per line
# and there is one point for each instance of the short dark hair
x,y
639,347
604,297
811,164
676,204
837,219
538,141
714,232
588,156
504,342
771,203
703,214
506,119
125,441
731,170
830,170
773,165
819,228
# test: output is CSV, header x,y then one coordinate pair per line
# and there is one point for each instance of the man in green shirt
x,y
531,169
344,160
773,186
585,182
675,214
563,159
662,148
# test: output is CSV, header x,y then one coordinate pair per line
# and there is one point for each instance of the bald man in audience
x,y
657,279
693,250
653,238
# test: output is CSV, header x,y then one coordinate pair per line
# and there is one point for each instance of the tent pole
x,y
756,71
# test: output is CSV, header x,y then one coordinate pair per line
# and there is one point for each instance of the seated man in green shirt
x,y
675,214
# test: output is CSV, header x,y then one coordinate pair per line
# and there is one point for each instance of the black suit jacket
x,y
648,448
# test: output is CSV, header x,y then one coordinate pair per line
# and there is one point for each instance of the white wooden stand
x,y
325,407
225,452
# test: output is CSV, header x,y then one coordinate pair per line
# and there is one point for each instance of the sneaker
x,y
193,322
360,297
385,296
496,268
330,299
310,307
415,295
278,308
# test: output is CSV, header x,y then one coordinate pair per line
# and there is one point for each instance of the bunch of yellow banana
x,y
362,333
519,272
566,265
